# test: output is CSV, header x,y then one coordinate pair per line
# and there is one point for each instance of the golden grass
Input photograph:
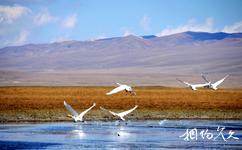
x,y
36,103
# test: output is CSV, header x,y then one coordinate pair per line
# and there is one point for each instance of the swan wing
x,y
116,90
127,112
204,78
201,85
219,81
85,111
184,82
70,109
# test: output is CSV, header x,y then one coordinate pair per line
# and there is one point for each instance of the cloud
x,y
236,27
44,17
70,21
191,25
9,14
127,33
145,23
22,38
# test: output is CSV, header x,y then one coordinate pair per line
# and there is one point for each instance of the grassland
x,y
46,103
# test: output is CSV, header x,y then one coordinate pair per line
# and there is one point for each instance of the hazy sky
x,y
45,21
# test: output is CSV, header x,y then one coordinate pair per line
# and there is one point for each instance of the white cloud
x,y
145,23
70,21
191,25
127,33
8,14
236,27
44,17
22,38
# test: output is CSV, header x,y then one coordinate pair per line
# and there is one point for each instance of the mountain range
x,y
140,58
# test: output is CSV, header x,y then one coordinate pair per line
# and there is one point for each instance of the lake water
x,y
165,134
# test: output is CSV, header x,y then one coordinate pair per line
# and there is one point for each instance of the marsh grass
x,y
46,103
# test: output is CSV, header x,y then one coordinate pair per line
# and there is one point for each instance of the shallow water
x,y
133,134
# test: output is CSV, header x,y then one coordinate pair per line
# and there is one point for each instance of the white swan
x,y
122,87
215,85
74,115
194,86
120,115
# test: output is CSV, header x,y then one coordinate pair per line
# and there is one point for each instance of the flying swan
x,y
194,86
74,115
120,88
214,85
120,115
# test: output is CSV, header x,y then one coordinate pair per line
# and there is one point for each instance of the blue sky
x,y
45,21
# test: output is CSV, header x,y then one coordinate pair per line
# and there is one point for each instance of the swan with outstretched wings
x,y
74,115
194,86
122,87
121,114
215,85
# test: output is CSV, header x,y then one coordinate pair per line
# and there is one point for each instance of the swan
x,y
120,88
121,114
194,86
74,115
215,85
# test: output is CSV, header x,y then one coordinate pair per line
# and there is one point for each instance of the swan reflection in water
x,y
76,133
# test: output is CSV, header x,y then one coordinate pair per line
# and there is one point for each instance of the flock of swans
x,y
207,84
122,87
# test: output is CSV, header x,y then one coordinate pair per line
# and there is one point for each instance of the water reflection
x,y
77,134
162,122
